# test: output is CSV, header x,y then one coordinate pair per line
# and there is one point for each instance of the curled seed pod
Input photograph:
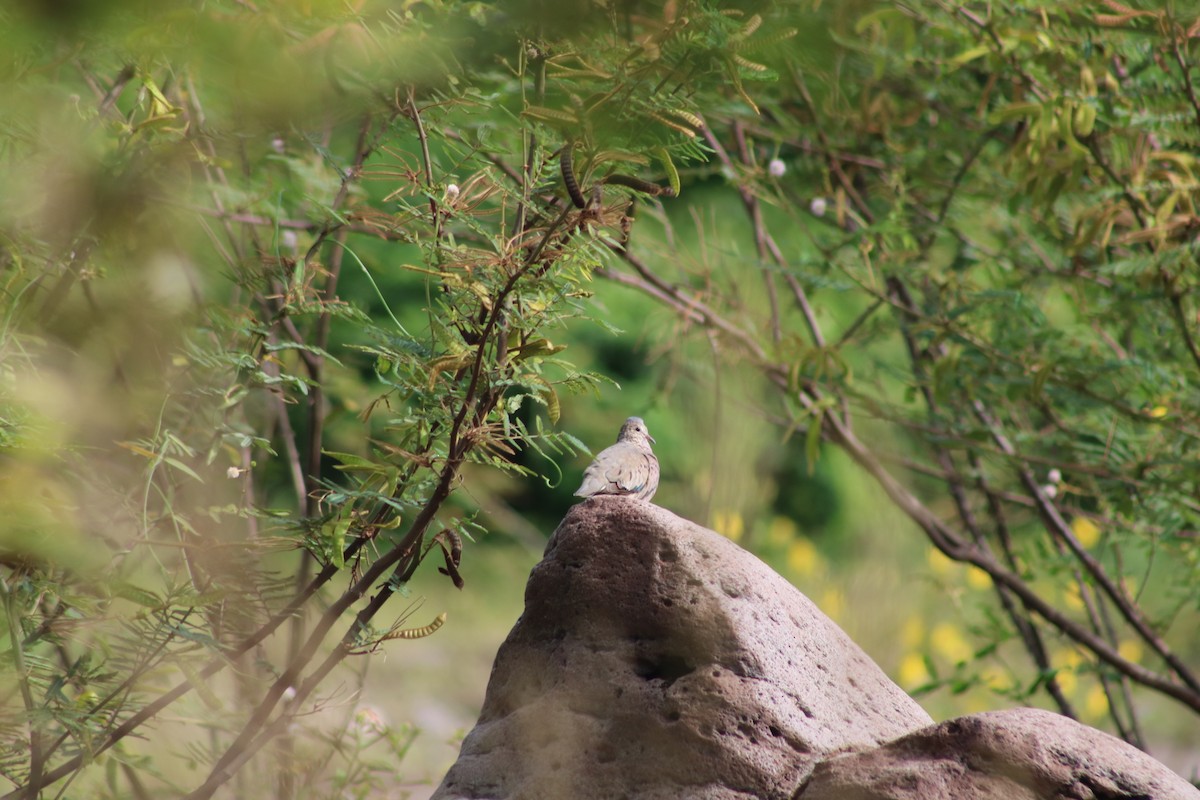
x,y
639,185
568,176
455,544
451,544
418,633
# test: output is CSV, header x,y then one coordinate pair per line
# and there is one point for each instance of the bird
x,y
628,467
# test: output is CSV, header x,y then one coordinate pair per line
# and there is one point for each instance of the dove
x,y
628,467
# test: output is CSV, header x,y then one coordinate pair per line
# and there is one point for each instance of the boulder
x,y
657,659
1020,754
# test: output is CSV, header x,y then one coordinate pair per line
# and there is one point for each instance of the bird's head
x,y
635,430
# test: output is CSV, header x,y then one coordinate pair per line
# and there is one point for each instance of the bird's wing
x,y
628,469
619,469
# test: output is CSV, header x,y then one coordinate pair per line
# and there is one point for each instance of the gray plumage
x,y
628,467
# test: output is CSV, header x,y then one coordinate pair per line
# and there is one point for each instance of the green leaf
x,y
970,54
184,468
664,157
135,594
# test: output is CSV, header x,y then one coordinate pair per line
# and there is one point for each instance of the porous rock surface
x,y
657,659
1019,754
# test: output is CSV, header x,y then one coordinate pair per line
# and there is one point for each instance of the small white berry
x,y
776,168
818,206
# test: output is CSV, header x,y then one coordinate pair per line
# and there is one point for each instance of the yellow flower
x,y
996,678
1096,703
729,524
976,704
1085,531
1158,412
978,579
948,641
1066,661
1130,650
939,562
833,602
803,558
782,531
912,672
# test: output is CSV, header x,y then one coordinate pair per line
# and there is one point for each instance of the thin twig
x,y
942,536
1031,637
435,215
36,755
1059,526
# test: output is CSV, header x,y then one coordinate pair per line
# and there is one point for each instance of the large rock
x,y
657,659
1021,754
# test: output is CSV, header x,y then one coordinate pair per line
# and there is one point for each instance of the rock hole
x,y
673,715
667,668
668,553
771,729
748,732
668,602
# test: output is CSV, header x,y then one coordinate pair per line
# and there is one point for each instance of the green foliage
x,y
274,277
976,271
287,285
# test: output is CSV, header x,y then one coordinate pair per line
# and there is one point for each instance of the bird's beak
x,y
651,438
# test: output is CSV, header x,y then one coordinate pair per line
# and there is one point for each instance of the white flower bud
x,y
776,168
452,192
1054,476
232,472
818,206
1050,490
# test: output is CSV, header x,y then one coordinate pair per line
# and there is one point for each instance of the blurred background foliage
x,y
295,294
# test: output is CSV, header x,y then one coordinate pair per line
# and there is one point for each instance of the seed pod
x,y
418,633
568,176
639,185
